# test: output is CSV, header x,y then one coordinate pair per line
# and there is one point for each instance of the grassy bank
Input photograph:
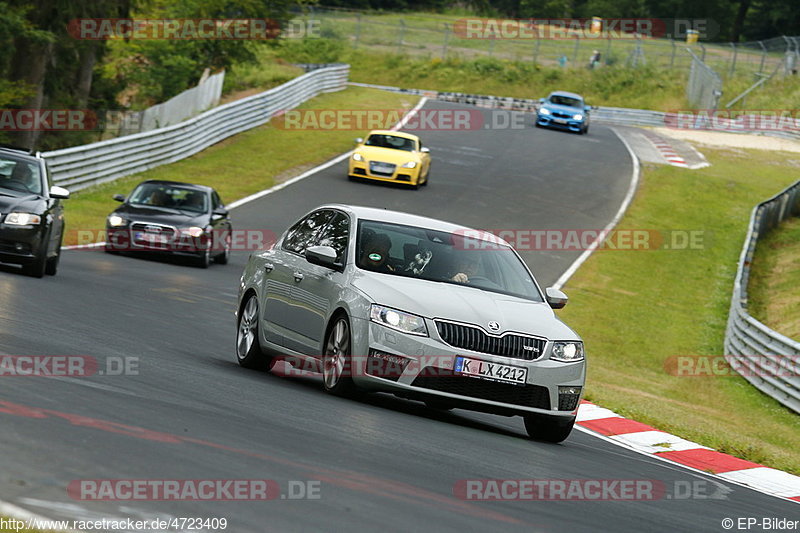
x,y
774,291
239,166
637,309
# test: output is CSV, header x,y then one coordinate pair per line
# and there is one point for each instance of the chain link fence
x,y
436,36
704,87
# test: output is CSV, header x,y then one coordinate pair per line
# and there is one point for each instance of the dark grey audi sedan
x,y
378,300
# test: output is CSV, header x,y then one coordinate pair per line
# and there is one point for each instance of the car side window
x,y
216,200
302,235
336,235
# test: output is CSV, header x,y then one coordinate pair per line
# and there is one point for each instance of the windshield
x,y
565,100
19,175
391,141
444,257
170,196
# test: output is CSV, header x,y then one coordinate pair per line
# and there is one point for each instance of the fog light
x,y
385,365
19,246
568,397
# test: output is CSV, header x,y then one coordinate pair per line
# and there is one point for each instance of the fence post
x,y
672,58
446,39
536,49
491,45
703,48
608,46
575,53
733,61
402,33
358,31
763,56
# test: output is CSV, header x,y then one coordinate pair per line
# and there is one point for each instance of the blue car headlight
x,y
577,117
544,111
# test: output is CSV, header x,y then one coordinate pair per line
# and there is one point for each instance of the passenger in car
x,y
375,253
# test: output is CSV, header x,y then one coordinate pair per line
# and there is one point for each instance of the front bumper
x,y
20,244
360,169
548,121
122,239
429,374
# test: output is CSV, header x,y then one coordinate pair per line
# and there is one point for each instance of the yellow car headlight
x,y
358,157
410,164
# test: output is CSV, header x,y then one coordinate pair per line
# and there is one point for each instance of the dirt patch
x,y
731,140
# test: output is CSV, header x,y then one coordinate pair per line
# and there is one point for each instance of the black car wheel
x,y
37,268
225,256
51,266
248,348
204,260
337,362
548,428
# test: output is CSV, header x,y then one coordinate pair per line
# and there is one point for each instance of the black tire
x,y
37,268
224,257
204,260
51,265
548,428
337,362
248,347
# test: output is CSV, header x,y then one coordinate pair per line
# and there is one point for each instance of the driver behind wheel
x,y
23,176
466,266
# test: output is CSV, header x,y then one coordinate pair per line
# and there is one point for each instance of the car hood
x,y
563,109
18,201
159,215
432,299
387,155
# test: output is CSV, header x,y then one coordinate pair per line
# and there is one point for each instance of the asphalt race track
x,y
383,464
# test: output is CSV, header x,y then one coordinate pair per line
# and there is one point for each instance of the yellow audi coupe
x,y
392,156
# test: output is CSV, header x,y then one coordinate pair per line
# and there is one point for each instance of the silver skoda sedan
x,y
383,301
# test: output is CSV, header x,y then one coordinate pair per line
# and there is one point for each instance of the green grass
x,y
636,309
649,87
242,165
774,291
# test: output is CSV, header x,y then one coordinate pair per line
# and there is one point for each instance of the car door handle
x,y
298,276
268,267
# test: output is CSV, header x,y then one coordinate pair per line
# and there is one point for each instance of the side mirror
x,y
541,100
587,108
425,150
220,212
119,197
556,298
59,192
322,256
359,140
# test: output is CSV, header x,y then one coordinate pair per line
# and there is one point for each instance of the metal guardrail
x,y
768,360
82,166
609,115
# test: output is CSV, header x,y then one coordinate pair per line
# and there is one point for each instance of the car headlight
x,y
194,231
577,117
399,320
568,352
410,164
22,219
358,157
115,221
544,111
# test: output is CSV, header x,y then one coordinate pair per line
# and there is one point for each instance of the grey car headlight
x,y
568,352
399,320
22,219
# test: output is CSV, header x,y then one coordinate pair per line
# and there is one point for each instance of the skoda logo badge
x,y
494,326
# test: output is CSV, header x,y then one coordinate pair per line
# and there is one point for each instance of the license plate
x,y
491,371
151,238
382,168
560,120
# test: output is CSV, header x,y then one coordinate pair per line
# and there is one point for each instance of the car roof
x,y
566,93
407,219
395,133
17,152
203,188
